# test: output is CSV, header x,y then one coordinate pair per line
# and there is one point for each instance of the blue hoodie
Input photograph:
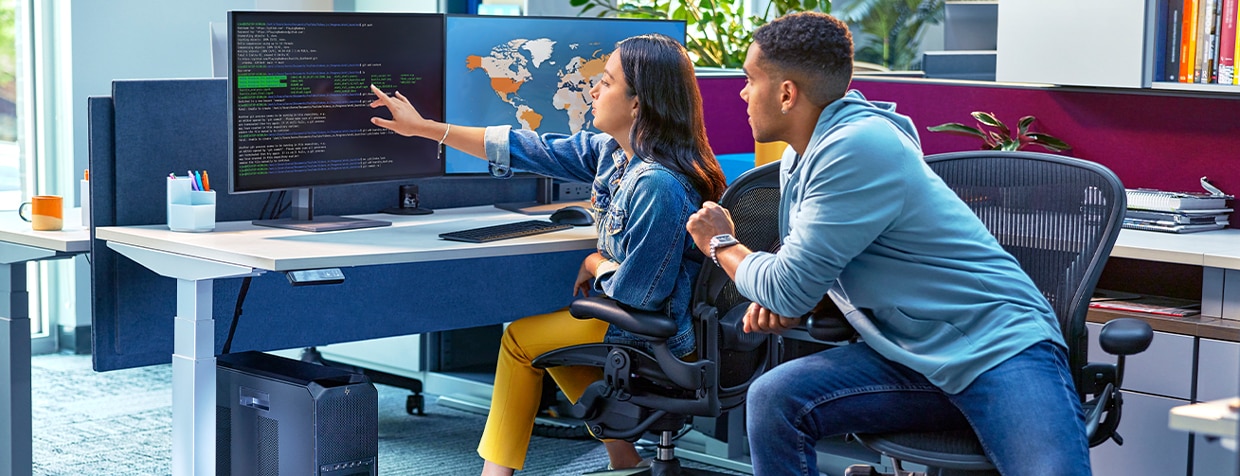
x,y
861,207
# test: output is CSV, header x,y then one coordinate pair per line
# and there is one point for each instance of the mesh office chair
x,y
642,392
1059,217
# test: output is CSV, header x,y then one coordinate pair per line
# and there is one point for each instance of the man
x,y
954,334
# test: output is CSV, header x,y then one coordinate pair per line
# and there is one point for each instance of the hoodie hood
x,y
854,106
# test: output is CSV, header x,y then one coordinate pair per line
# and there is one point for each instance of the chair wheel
x,y
415,403
861,470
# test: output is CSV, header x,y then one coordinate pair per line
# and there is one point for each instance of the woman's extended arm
x,y
407,121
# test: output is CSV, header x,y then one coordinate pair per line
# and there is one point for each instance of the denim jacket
x,y
641,209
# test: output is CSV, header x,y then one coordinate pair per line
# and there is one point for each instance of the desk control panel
x,y
308,277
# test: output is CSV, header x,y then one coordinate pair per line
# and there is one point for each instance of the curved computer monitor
x,y
299,98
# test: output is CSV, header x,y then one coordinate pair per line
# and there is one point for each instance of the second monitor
x,y
530,72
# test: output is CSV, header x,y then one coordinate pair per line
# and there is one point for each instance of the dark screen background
x,y
299,94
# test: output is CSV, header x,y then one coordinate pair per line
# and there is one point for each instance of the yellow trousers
x,y
518,385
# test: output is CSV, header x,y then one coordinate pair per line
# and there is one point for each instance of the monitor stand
x,y
304,219
541,206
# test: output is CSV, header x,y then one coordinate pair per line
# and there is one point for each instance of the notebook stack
x,y
1176,212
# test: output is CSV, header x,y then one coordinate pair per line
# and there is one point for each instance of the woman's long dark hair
x,y
669,127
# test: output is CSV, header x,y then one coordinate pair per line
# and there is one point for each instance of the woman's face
x,y
614,109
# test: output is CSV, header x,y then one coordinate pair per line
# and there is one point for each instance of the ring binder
x,y
1157,200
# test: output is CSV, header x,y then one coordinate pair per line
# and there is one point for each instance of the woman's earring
x,y
783,111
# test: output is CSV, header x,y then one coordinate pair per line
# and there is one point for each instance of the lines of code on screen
x,y
300,114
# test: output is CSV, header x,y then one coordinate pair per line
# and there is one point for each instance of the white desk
x,y
1213,418
19,245
1217,252
238,249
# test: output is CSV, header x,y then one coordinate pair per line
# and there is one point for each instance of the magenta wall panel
x,y
1150,140
1156,141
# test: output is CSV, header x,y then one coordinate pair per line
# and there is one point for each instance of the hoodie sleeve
x,y
851,187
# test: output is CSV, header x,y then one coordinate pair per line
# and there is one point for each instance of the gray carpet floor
x,y
119,423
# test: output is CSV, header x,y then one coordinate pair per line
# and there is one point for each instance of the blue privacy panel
x,y
150,128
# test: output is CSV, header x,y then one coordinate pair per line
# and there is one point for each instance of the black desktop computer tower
x,y
278,416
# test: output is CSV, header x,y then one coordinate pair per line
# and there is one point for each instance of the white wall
x,y
136,39
126,39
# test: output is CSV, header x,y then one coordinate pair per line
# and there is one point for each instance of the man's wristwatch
x,y
721,241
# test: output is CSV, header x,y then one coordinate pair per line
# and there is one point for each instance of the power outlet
x,y
570,191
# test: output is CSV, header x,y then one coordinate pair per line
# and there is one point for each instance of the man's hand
x,y
707,222
760,319
406,120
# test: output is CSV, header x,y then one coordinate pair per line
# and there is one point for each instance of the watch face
x,y
723,240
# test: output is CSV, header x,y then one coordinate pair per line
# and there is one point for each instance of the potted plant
x,y
996,135
719,30
1000,137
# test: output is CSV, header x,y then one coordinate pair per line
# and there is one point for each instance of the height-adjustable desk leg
x,y
193,380
15,427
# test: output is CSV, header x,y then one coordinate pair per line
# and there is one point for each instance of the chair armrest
x,y
1125,336
829,328
652,326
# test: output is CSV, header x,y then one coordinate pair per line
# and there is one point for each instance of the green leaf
x,y
957,128
1049,142
1022,127
989,119
986,118
577,3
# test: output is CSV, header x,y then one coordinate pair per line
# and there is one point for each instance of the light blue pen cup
x,y
189,210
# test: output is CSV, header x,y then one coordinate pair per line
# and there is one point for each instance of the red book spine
x,y
1227,43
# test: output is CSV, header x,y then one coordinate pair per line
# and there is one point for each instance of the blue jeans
x,y
1025,411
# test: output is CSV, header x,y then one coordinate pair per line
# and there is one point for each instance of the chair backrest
x,y
1059,216
753,202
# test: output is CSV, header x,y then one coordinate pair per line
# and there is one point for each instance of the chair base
x,y
867,470
658,468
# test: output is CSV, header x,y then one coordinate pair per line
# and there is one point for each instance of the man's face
x,y
761,94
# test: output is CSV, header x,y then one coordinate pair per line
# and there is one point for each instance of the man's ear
x,y
788,95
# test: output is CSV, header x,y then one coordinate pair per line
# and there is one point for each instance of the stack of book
x,y
1176,212
1156,305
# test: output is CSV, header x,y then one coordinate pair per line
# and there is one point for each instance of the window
x,y
10,157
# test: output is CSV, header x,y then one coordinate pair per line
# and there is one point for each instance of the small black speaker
x,y
282,416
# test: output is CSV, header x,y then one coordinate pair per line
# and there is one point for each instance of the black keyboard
x,y
504,231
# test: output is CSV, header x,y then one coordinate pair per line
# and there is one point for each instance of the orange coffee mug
x,y
47,212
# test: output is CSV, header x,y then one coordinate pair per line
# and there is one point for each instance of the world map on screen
x,y
521,62
529,72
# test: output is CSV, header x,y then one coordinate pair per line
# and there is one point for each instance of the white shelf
x,y
1206,88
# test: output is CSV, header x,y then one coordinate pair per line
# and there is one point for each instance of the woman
x,y
651,168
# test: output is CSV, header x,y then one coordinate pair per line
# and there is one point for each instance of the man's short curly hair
x,y
813,49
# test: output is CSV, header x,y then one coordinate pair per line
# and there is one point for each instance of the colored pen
x,y
193,184
206,182
198,178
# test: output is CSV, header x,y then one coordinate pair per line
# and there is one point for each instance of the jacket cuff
x,y
496,140
602,271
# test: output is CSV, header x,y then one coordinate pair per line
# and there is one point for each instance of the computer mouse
x,y
573,215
